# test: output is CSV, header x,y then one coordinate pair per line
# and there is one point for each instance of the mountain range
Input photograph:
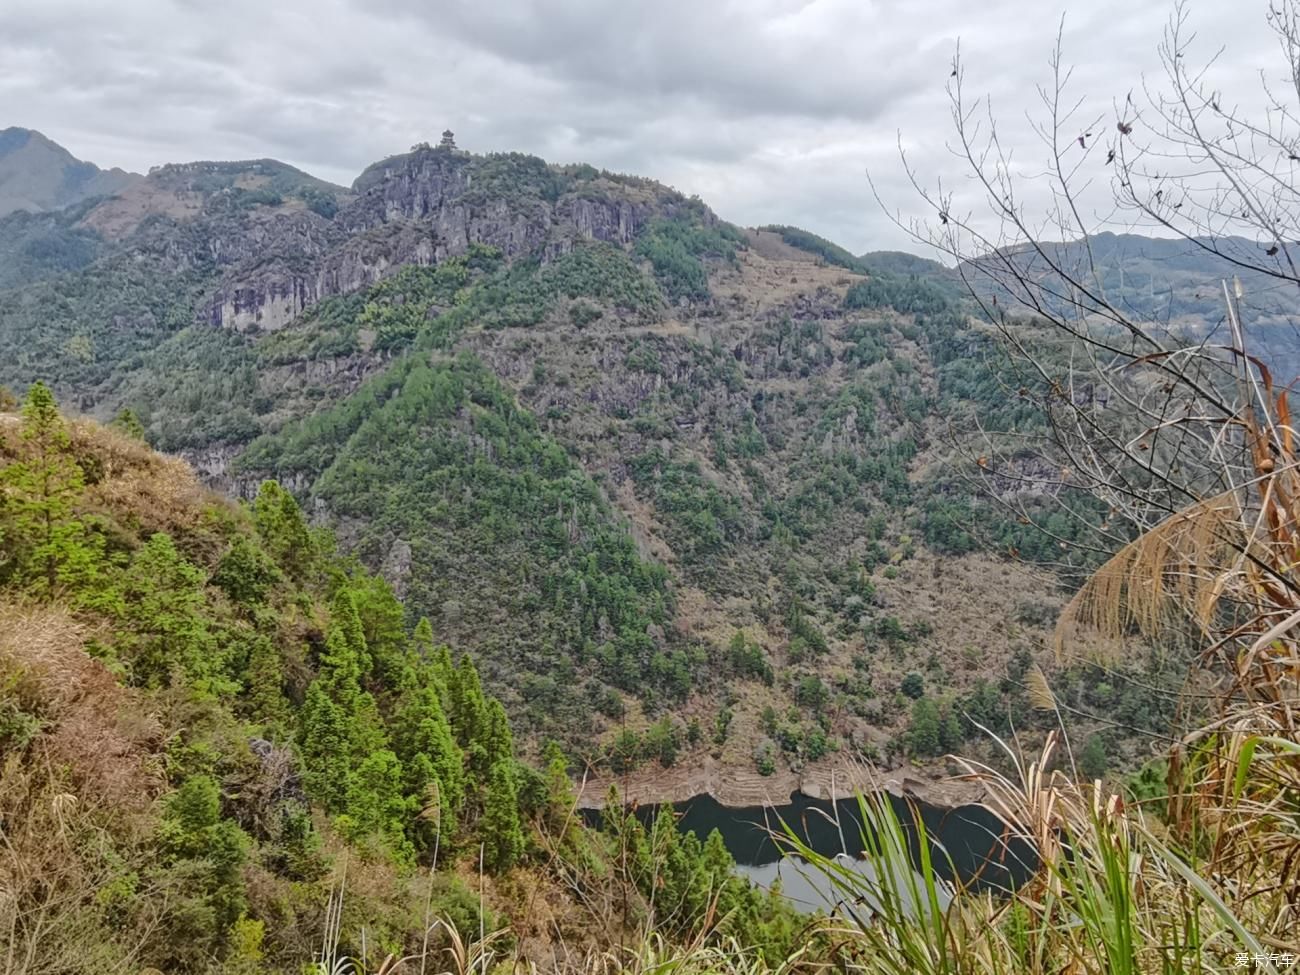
x,y
677,485
37,174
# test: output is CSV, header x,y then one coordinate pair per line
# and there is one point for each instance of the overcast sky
x,y
771,110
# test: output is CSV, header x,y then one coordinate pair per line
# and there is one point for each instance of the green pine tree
x,y
283,530
558,812
245,573
44,545
326,747
444,672
469,713
340,668
422,640
924,733
345,620
340,723
498,743
166,620
383,624
265,683
193,833
128,423
501,833
950,730
424,741
436,822
375,805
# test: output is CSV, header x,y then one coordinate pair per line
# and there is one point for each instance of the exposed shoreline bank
x,y
741,788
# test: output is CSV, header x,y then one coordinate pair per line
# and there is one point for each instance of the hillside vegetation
x,y
535,474
679,490
216,730
225,751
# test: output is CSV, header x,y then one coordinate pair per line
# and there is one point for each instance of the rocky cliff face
x,y
260,236
421,208
265,294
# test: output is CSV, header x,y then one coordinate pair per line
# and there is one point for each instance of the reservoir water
x,y
970,838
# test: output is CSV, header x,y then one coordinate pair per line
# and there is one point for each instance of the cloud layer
x,y
772,110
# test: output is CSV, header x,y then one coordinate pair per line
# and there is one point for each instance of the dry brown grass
x,y
94,730
138,487
117,217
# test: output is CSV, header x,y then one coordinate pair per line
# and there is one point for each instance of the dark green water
x,y
970,838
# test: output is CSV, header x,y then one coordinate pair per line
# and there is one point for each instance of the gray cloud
x,y
772,110
738,57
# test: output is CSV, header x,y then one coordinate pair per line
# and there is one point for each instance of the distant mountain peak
x,y
37,174
13,138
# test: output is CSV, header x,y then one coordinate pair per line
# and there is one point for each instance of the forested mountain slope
x,y
216,731
676,485
1175,284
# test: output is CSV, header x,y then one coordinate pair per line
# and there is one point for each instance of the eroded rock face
x,y
420,208
266,295
615,223
396,567
268,305
212,464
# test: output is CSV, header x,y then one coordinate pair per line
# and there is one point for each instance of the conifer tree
x,y
436,823
950,732
368,732
340,723
502,836
422,640
498,742
128,423
165,614
428,749
718,863
265,683
340,667
42,541
245,573
924,733
193,830
326,747
375,804
345,618
382,620
283,530
665,867
444,672
559,790
469,715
